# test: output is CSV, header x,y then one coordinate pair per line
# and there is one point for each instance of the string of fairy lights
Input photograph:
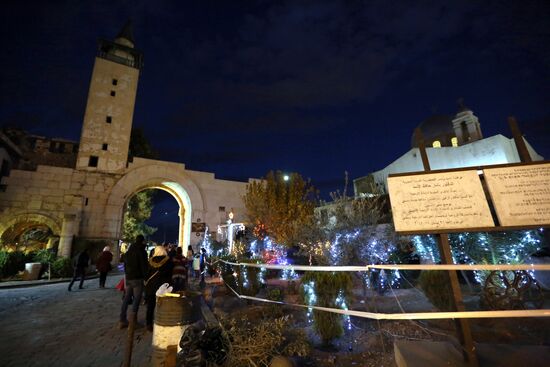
x,y
467,248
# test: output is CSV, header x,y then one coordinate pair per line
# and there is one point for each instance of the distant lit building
x,y
451,142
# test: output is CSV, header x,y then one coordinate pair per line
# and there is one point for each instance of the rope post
x,y
463,330
130,340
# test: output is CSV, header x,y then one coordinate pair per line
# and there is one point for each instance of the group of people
x,y
82,261
166,264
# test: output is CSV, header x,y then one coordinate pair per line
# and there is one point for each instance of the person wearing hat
x,y
160,272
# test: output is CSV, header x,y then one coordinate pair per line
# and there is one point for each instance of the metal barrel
x,y
172,316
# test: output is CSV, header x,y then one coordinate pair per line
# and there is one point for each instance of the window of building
x,y
61,148
464,131
93,161
5,170
115,81
52,146
436,144
104,146
454,141
86,202
108,119
221,209
113,93
75,148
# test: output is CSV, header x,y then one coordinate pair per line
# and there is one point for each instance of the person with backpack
x,y
80,263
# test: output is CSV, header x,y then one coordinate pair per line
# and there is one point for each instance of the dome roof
x,y
436,127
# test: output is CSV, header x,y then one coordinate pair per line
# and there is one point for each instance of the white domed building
x,y
451,142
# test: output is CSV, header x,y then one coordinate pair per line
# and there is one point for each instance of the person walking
x,y
80,263
160,272
179,273
135,270
190,256
103,265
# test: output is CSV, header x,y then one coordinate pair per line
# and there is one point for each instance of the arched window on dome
x,y
436,144
454,141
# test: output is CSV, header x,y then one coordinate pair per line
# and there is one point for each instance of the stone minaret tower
x,y
466,125
107,124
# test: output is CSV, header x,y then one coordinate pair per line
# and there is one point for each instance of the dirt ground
x,y
370,342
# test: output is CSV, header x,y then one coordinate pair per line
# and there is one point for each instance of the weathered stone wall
x,y
90,204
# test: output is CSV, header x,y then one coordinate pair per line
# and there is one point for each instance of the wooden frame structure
x,y
463,325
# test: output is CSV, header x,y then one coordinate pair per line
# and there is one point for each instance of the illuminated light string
x,y
399,267
412,315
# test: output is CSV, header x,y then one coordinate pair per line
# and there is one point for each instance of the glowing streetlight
x,y
286,177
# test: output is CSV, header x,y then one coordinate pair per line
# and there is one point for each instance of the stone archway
x,y
14,227
168,177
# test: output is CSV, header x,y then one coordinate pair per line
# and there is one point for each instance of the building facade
x,y
83,194
451,142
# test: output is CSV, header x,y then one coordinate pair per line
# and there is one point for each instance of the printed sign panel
x,y
198,227
521,194
438,202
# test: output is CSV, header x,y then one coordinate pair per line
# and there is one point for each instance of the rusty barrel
x,y
172,316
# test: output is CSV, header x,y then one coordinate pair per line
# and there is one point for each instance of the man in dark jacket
x,y
80,263
135,269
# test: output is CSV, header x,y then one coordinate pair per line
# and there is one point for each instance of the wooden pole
x,y
130,340
523,153
463,330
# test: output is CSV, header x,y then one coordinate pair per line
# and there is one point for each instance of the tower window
x,y
113,93
108,119
436,144
93,161
454,141
115,81
104,146
221,209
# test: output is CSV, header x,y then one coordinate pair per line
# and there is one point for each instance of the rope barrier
x,y
403,316
396,267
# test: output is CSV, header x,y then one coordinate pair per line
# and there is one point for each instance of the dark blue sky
x,y
319,87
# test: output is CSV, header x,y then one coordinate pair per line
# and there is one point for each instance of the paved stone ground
x,y
49,326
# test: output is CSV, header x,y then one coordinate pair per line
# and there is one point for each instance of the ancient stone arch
x,y
31,218
169,177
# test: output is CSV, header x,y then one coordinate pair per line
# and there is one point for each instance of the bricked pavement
x,y
48,326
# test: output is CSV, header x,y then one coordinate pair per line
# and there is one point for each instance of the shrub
x,y
437,287
327,288
62,268
44,256
11,263
248,276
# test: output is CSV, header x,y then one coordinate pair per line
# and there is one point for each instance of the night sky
x,y
319,87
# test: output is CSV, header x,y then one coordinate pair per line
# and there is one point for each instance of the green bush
x,y
62,268
11,263
328,286
437,287
248,276
44,256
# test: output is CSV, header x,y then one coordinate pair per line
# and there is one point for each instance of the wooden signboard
x,y
438,202
520,194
